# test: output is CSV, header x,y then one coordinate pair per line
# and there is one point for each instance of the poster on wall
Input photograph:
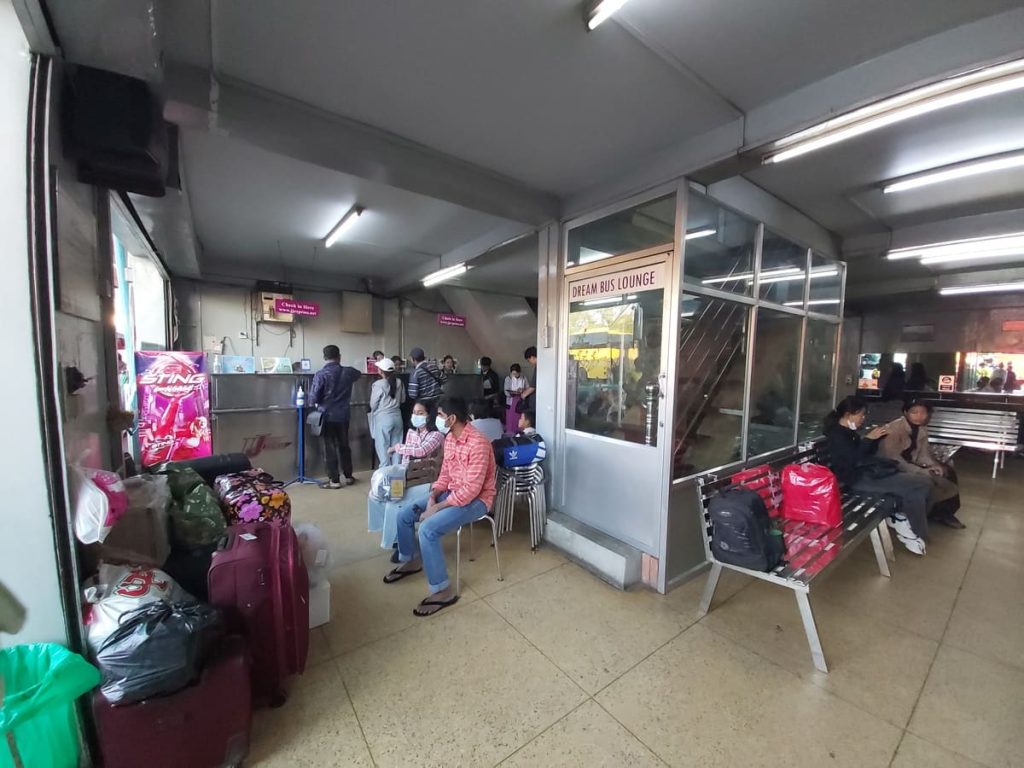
x,y
174,406
230,363
275,365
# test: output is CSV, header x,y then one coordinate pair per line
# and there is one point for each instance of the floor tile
x,y
702,700
686,597
875,665
591,630
906,601
319,649
364,608
973,706
316,727
587,737
463,689
915,752
518,561
988,619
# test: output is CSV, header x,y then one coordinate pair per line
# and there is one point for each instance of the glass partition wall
x,y
758,331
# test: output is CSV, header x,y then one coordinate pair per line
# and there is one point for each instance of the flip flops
x,y
397,574
427,602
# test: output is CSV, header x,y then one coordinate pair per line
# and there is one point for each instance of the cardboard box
x,y
319,604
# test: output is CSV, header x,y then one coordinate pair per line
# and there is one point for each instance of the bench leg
x,y
995,464
811,629
886,537
709,590
880,556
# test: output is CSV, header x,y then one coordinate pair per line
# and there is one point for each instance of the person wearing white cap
x,y
386,398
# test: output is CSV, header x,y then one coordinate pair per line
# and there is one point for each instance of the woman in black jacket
x,y
853,460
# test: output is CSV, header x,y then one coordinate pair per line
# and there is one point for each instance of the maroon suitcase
x,y
205,725
260,582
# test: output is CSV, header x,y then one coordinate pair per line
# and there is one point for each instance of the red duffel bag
x,y
810,494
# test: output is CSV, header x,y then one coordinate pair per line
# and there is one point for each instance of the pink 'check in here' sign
x,y
455,321
292,307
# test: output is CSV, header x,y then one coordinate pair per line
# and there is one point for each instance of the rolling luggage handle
x,y
279,697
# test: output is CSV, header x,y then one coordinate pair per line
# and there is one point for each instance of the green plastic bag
x,y
181,480
41,683
198,521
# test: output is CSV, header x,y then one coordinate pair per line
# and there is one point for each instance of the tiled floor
x,y
551,667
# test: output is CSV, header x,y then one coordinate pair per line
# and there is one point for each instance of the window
x,y
816,386
719,251
826,285
783,270
708,429
773,382
614,354
643,226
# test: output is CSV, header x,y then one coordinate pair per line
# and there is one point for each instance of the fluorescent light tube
x,y
699,233
749,276
994,253
960,290
601,11
827,272
598,302
981,83
444,274
957,171
811,303
346,221
973,247
588,255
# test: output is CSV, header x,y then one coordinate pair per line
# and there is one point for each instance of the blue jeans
x,y
387,431
430,534
383,516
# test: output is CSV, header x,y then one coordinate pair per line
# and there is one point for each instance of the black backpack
x,y
741,531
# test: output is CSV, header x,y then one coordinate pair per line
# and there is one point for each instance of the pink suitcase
x,y
259,580
206,725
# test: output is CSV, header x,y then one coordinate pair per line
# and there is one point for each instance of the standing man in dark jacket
x,y
331,393
490,385
426,382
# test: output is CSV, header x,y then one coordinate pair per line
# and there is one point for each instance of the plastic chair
x,y
458,549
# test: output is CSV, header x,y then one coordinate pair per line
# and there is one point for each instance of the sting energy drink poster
x,y
174,407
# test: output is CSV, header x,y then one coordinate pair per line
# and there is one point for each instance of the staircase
x,y
708,351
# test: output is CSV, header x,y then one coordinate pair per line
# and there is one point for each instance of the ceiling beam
x,y
498,236
980,225
294,129
873,288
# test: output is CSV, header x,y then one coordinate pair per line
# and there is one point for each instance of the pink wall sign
x,y
455,321
174,406
293,307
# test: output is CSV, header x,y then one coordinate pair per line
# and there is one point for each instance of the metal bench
x,y
996,431
812,550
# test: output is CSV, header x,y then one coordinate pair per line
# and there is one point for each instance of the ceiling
x,y
511,270
442,118
255,208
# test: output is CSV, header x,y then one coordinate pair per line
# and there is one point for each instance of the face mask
x,y
851,425
441,425
419,421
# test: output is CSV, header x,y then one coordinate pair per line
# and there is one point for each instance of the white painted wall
x,y
224,311
28,564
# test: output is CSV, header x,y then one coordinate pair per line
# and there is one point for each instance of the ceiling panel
x,y
518,87
753,51
253,206
839,186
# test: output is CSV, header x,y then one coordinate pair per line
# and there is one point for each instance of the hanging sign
x,y
1013,325
647,278
174,406
452,321
947,383
293,307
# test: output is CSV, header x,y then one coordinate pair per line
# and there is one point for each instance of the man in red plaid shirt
x,y
464,492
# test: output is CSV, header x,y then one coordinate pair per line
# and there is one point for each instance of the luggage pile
x,y
200,603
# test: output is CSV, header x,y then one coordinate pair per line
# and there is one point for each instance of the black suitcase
x,y
211,467
190,567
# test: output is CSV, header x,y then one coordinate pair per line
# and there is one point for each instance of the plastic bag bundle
x,y
41,683
388,483
157,649
120,589
810,494
141,536
198,520
315,552
181,480
100,500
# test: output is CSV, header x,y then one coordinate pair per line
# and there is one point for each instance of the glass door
x,y
615,389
